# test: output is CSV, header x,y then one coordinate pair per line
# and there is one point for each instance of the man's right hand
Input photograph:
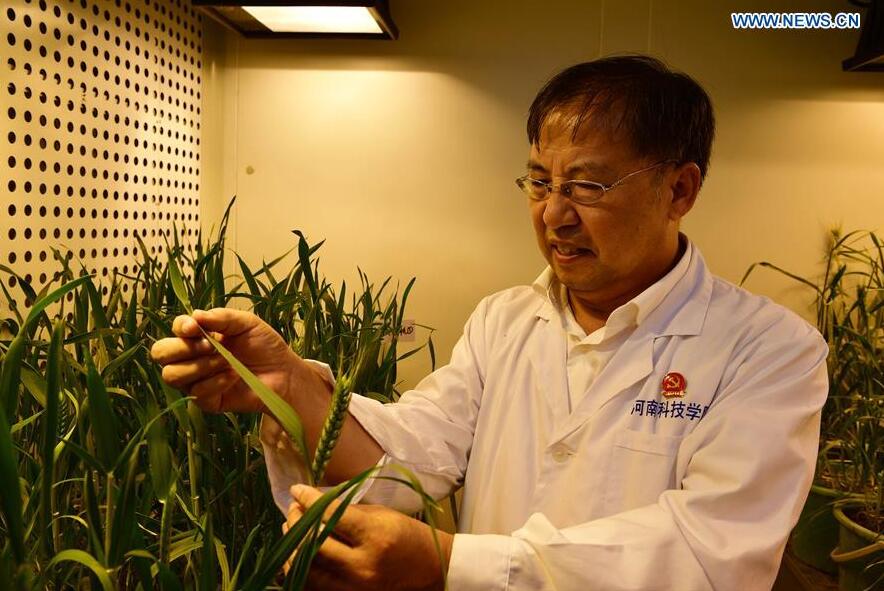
x,y
191,364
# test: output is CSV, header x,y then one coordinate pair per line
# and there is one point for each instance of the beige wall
x,y
403,154
95,150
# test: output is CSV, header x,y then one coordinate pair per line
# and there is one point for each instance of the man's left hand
x,y
373,548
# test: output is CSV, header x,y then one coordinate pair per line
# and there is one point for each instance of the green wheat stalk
x,y
331,428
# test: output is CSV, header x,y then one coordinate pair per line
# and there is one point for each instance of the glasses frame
x,y
565,188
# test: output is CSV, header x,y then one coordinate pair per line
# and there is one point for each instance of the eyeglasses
x,y
582,192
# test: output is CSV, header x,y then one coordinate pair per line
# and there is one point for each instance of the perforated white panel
x,y
100,132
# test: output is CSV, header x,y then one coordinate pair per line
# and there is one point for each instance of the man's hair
x,y
664,114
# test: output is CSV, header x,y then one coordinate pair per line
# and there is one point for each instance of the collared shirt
x,y
684,466
589,354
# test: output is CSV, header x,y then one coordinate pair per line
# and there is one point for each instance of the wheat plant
x,y
849,309
110,479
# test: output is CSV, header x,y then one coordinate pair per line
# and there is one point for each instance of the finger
x,y
288,563
172,350
334,554
211,403
350,526
293,514
295,506
181,375
185,326
218,386
226,321
332,550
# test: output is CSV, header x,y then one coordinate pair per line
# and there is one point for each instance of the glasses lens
x,y
586,192
533,188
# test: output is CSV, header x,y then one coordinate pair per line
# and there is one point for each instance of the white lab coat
x,y
615,495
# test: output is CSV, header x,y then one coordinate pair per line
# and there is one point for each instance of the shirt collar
x,y
633,312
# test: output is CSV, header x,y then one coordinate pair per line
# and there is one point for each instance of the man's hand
x,y
190,362
373,548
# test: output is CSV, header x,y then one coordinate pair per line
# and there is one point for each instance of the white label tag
x,y
407,333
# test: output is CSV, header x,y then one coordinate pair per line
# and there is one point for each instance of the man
x,y
629,421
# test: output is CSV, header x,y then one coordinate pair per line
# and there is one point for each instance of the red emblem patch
x,y
674,385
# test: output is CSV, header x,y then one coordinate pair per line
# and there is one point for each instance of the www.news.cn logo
x,y
795,20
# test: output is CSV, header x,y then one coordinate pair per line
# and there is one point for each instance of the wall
x,y
403,154
100,111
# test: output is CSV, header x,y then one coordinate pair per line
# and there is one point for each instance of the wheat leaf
x,y
178,285
87,560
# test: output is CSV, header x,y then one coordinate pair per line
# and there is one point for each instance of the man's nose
x,y
559,210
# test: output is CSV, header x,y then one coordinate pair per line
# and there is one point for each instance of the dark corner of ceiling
x,y
869,55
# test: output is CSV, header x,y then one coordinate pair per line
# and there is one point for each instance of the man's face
x,y
620,239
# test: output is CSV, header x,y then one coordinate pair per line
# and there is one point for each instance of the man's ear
x,y
684,182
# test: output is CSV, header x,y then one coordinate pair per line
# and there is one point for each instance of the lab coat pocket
x,y
642,466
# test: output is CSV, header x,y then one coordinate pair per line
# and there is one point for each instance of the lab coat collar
x,y
682,310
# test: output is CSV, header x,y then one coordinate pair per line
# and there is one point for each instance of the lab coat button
x,y
560,453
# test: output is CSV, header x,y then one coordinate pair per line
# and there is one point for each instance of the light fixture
x,y
869,56
316,19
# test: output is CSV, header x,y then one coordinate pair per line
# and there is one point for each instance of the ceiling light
x,y
317,19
